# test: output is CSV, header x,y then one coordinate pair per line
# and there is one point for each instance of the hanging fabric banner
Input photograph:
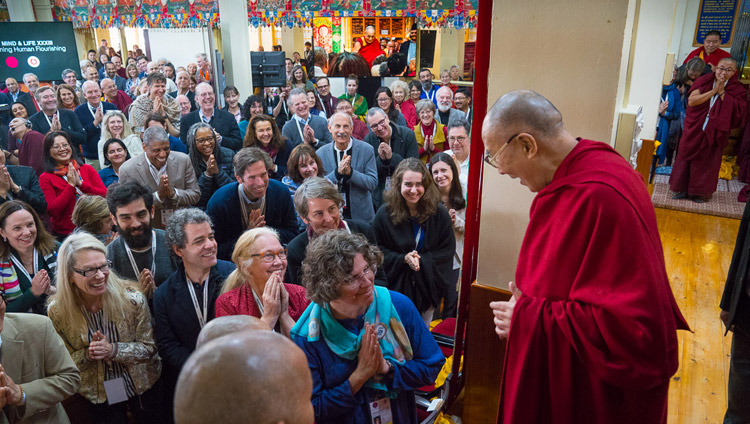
x,y
336,38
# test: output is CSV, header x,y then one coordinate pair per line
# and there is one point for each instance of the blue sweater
x,y
226,213
332,395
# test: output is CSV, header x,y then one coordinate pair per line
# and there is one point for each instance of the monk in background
x,y
717,103
368,46
591,337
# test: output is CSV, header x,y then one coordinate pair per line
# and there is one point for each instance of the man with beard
x,y
110,71
446,112
391,144
318,203
140,253
169,175
350,165
462,101
253,201
429,90
184,304
409,47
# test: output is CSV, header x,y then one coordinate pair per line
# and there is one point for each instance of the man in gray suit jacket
x,y
169,175
40,372
304,127
446,113
350,164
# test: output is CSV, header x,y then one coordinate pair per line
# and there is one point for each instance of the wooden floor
x,y
698,250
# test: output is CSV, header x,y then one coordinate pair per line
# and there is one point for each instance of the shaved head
x,y
253,377
231,324
729,61
525,111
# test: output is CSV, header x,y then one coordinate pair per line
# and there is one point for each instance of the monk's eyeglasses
x,y
492,160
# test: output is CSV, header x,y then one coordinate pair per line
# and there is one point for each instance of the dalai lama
x,y
368,46
591,327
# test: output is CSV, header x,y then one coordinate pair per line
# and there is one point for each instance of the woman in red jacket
x,y
64,180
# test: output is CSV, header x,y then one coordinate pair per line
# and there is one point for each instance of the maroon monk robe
x,y
593,339
696,167
370,51
122,101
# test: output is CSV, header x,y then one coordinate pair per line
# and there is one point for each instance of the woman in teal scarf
x,y
367,347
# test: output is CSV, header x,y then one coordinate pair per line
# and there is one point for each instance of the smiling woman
x,y
263,132
257,287
211,162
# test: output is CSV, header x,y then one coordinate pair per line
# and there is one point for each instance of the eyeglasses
x,y
268,257
383,99
204,140
724,69
322,86
59,147
492,160
90,272
376,126
364,276
460,139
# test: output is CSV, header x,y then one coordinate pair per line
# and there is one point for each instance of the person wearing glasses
x,y
716,104
211,162
184,303
613,325
392,144
65,178
106,326
384,99
459,141
366,345
39,373
257,287
415,233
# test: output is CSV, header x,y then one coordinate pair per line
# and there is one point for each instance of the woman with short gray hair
x,y
431,135
362,341
212,163
184,302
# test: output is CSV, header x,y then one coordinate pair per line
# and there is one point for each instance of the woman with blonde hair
x,y
403,104
91,214
257,288
116,125
106,326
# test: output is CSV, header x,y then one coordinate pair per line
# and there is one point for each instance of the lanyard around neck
x,y
17,262
202,316
153,256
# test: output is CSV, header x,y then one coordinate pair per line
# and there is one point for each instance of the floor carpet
x,y
723,202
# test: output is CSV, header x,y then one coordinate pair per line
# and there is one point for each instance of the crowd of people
x,y
134,211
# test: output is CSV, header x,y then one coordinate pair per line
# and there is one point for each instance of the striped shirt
x,y
98,322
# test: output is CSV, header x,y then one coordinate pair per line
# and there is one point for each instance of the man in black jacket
x,y
50,118
318,203
735,313
222,121
392,144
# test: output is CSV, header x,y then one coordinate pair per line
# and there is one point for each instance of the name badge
x,y
380,411
165,215
387,183
116,392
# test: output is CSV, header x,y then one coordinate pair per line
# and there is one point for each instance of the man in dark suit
x,y
91,115
16,95
21,183
409,47
304,127
318,203
392,144
110,71
50,118
39,372
735,313
253,201
221,121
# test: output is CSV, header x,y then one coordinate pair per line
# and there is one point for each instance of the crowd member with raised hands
x,y
222,121
364,343
257,287
429,133
31,253
304,127
155,102
51,119
184,303
106,326
21,183
64,180
211,162
91,115
415,233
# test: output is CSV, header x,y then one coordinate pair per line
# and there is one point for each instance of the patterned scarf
x,y
62,170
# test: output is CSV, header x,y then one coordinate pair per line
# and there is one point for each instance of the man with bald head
x,y
230,324
115,96
717,103
368,46
577,300
183,89
254,377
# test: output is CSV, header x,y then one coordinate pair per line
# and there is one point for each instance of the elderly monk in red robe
x,y
716,104
592,322
368,46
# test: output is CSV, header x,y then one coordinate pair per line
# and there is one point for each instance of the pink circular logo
x,y
11,61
